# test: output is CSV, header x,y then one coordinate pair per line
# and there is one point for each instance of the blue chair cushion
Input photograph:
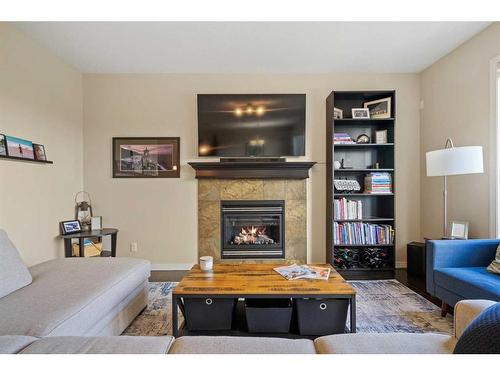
x,y
469,282
482,336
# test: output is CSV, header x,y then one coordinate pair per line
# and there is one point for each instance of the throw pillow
x,y
482,336
494,267
13,273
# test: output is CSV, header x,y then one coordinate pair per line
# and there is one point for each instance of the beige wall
x,y
40,100
456,95
160,215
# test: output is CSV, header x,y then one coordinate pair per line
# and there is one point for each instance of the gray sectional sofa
x,y
80,305
71,296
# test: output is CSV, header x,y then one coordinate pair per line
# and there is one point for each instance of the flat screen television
x,y
240,125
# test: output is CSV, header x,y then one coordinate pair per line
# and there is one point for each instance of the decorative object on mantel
x,y
253,170
151,157
452,161
83,209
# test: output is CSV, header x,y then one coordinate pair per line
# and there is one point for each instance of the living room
x,y
169,190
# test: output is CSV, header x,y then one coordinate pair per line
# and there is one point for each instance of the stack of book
x,y
378,183
362,234
342,138
345,209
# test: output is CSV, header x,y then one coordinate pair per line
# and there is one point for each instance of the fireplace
x,y
252,229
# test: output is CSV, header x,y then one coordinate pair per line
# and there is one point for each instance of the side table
x,y
81,236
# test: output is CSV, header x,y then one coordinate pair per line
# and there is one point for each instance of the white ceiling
x,y
249,47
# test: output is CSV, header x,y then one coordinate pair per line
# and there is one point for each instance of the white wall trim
x,y
171,266
494,149
401,264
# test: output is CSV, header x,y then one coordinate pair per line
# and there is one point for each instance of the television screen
x,y
238,125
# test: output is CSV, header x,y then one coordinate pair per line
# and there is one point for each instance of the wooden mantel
x,y
253,169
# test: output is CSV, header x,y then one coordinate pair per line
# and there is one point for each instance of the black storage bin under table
x,y
268,315
204,314
318,317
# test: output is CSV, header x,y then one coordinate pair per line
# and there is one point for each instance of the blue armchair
x,y
456,270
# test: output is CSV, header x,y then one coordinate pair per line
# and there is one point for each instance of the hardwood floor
x,y
414,283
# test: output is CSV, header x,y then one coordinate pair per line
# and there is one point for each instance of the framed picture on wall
x,y
146,157
20,148
39,152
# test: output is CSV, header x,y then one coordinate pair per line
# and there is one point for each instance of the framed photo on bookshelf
x,y
380,108
360,113
381,137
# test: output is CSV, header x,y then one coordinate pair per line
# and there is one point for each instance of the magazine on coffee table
x,y
295,272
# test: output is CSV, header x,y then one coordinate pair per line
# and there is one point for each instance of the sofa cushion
x,y
494,267
100,345
469,282
68,296
14,344
385,343
13,273
240,345
482,336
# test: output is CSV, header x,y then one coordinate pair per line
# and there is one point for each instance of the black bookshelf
x,y
360,160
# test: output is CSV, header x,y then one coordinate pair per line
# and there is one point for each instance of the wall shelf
x,y
16,158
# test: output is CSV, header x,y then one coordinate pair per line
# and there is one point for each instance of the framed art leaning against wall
x,y
146,157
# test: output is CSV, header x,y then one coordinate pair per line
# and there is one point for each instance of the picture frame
x,y
96,223
3,145
146,157
381,137
39,151
459,230
360,113
19,148
380,108
70,227
337,113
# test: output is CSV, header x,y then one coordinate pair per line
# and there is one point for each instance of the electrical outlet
x,y
133,247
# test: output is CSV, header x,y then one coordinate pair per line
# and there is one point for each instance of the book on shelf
x,y
346,209
342,138
362,234
378,183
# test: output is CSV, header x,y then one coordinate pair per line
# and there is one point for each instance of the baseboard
x,y
401,264
171,267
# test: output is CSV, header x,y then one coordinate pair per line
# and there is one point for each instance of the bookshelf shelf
x,y
377,209
363,144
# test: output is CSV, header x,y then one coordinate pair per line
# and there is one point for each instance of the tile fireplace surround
x,y
212,191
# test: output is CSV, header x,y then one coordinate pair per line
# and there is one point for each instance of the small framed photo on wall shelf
x,y
459,230
150,157
19,148
360,113
70,227
3,145
39,152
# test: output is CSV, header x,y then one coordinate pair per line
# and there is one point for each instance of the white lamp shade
x,y
455,160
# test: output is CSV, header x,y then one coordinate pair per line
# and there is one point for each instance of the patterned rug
x,y
382,306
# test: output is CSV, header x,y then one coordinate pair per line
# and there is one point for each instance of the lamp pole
x,y
448,144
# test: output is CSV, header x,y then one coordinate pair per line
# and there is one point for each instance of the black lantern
x,y
83,209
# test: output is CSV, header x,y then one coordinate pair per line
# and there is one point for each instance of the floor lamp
x,y
452,161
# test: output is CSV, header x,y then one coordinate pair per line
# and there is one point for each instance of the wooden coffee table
x,y
258,281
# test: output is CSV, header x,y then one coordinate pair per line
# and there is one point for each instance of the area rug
x,y
382,306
